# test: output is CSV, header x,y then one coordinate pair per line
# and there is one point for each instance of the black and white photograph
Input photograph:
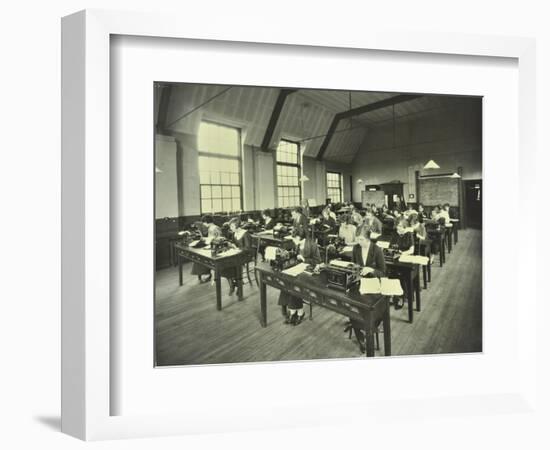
x,y
304,224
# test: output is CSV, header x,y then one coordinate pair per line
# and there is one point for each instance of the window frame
x,y
238,158
340,185
298,165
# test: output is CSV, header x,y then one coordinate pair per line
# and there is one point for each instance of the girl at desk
x,y
347,230
370,257
416,222
292,307
209,231
327,220
402,240
241,239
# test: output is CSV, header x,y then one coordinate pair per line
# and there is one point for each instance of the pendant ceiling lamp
x,y
455,175
431,164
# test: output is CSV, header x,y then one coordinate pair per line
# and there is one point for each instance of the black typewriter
x,y
219,245
191,235
281,232
342,277
391,254
284,259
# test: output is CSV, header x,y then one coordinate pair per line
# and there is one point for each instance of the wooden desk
x,y
438,235
366,309
215,263
410,273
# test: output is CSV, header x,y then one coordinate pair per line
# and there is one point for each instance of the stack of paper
x,y
230,252
296,270
390,287
414,259
348,248
406,258
270,253
383,244
369,286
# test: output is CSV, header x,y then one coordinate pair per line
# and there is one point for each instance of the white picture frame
x,y
86,247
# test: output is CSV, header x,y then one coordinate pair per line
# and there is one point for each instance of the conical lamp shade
x,y
157,170
359,180
431,164
455,175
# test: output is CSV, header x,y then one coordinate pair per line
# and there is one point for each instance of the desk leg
x,y
240,283
455,233
425,276
218,290
410,295
180,269
442,251
417,291
387,330
369,338
263,306
429,266
450,241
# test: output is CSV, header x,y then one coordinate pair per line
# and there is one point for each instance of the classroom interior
x,y
234,158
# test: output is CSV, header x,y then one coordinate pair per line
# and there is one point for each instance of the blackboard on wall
x,y
437,191
376,197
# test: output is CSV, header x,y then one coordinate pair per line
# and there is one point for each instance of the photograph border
x,y
86,193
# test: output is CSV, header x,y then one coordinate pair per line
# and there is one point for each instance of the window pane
x,y
214,138
235,178
216,205
227,204
215,177
206,192
237,204
216,191
226,192
225,178
235,192
206,206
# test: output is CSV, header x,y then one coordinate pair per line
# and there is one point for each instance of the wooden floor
x,y
189,330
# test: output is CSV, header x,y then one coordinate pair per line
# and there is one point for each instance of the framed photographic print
x,y
250,221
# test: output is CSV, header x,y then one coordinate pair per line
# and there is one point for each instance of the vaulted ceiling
x,y
306,115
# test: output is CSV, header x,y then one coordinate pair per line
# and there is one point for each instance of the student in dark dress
x,y
292,306
299,223
422,211
208,231
240,239
268,221
327,220
370,257
372,222
402,240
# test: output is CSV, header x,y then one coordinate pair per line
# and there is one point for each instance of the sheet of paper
x,y
230,252
374,235
366,270
406,258
288,238
369,286
270,253
265,233
390,286
383,244
296,270
422,260
348,248
194,243
340,263
332,235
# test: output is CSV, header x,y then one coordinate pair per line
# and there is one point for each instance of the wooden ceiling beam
x,y
357,112
274,119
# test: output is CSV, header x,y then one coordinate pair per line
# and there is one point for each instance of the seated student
x,y
299,223
240,239
268,221
402,240
347,230
327,220
416,222
371,221
369,256
305,207
410,209
421,211
385,212
374,209
292,306
209,231
436,213
446,213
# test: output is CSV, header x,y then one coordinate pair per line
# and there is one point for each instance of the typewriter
x,y
342,275
281,232
192,235
284,259
219,245
391,254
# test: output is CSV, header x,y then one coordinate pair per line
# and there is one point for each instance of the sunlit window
x,y
219,168
288,174
334,187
